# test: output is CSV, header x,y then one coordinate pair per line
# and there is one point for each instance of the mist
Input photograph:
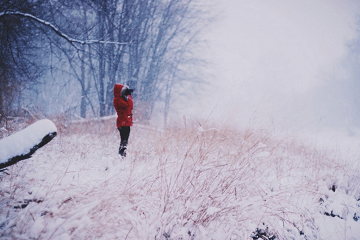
x,y
274,64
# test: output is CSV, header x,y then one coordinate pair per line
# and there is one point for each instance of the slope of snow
x,y
179,184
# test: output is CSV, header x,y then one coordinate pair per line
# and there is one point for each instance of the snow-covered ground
x,y
179,183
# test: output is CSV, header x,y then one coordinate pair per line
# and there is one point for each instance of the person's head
x,y
117,89
128,91
125,91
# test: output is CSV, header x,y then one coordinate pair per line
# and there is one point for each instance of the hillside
x,y
183,182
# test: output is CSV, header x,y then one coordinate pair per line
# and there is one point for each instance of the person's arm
x,y
120,104
130,102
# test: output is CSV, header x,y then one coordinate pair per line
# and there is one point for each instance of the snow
x,y
212,210
21,142
179,184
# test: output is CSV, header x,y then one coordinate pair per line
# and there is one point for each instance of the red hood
x,y
117,90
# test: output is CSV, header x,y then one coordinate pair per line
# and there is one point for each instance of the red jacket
x,y
123,108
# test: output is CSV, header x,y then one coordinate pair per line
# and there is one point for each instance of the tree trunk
x,y
83,91
101,93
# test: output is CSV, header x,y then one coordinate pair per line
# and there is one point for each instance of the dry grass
x,y
178,183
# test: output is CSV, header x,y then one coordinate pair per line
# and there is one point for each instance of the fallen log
x,y
23,144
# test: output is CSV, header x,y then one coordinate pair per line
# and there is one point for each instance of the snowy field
x,y
183,182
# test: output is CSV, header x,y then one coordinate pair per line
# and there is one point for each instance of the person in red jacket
x,y
123,104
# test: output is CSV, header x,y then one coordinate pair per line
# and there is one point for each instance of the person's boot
x,y
122,151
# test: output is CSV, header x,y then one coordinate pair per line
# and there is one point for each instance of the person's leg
x,y
121,139
124,135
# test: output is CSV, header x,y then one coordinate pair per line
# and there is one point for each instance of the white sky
x,y
269,54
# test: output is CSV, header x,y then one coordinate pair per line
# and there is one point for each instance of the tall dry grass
x,y
187,182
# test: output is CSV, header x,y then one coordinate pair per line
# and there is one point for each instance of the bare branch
x,y
57,31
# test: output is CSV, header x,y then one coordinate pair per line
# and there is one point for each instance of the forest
x,y
63,57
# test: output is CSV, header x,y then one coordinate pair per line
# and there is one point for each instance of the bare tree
x,y
19,64
173,35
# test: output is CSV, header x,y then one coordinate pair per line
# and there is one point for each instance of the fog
x,y
273,63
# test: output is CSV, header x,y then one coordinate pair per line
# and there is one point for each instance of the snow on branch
x,y
56,30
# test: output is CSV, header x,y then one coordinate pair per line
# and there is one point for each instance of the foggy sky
x,y
269,57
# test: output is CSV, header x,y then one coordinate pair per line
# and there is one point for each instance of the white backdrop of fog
x,y
273,61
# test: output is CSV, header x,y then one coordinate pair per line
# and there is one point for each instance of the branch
x,y
57,31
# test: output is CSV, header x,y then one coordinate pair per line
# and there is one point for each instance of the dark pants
x,y
124,135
